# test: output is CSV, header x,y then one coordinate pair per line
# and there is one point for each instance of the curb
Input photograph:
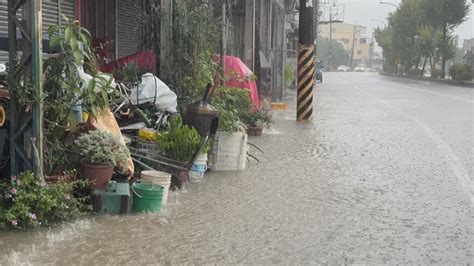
x,y
441,81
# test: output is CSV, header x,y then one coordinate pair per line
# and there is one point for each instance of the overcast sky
x,y
364,11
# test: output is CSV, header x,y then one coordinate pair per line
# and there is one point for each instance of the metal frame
x,y
26,128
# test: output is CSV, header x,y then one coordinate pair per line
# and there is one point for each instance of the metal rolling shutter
x,y
129,29
51,16
3,27
67,8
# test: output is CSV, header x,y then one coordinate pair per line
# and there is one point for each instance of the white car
x,y
359,69
343,69
3,68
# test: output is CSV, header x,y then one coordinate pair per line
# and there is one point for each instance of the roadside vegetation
x,y
420,37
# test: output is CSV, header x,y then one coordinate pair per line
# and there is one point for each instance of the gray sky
x,y
363,11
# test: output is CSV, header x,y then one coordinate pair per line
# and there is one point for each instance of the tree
x,y
445,15
384,40
339,55
406,24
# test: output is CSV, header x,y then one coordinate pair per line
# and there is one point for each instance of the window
x,y
359,52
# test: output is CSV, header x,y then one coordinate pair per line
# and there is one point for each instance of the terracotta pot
x,y
98,175
255,131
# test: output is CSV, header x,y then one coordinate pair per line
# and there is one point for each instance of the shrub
x,y
26,201
415,72
99,147
258,118
289,75
461,72
436,73
181,141
233,104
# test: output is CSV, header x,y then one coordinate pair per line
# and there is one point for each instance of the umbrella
x,y
238,74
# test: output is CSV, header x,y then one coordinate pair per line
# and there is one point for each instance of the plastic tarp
x,y
153,90
235,67
105,120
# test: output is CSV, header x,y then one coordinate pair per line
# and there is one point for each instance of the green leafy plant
x,y
195,36
289,75
181,141
100,147
63,85
100,93
436,73
461,72
26,201
233,104
131,73
416,72
258,118
55,158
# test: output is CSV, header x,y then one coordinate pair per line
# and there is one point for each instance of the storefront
x,y
115,25
52,15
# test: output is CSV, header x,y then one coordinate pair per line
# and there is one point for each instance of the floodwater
x,y
382,176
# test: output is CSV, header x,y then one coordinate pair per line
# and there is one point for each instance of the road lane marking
x,y
450,157
435,93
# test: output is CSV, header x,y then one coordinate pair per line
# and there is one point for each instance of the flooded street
x,y
383,175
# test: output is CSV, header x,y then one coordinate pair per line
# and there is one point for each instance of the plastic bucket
x,y
158,178
199,168
147,197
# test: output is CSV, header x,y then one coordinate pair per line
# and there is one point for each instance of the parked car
x,y
359,69
319,71
343,69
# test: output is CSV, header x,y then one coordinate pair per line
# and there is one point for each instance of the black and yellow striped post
x,y
306,62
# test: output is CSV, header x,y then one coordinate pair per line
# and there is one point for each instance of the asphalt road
x,y
383,175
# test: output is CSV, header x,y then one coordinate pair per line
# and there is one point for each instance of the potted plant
x,y
101,151
230,142
57,166
180,143
255,121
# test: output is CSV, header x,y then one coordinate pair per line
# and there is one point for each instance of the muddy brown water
x,y
364,183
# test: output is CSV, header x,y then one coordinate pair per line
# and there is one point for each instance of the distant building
x,y
343,33
467,45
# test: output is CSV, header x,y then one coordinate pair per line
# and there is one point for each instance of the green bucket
x,y
147,197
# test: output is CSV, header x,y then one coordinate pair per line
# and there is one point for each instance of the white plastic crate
x,y
230,151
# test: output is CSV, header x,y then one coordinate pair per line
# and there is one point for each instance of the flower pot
x,y
98,175
255,131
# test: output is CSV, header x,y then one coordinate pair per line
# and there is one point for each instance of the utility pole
x,y
353,46
371,50
223,38
330,37
306,62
